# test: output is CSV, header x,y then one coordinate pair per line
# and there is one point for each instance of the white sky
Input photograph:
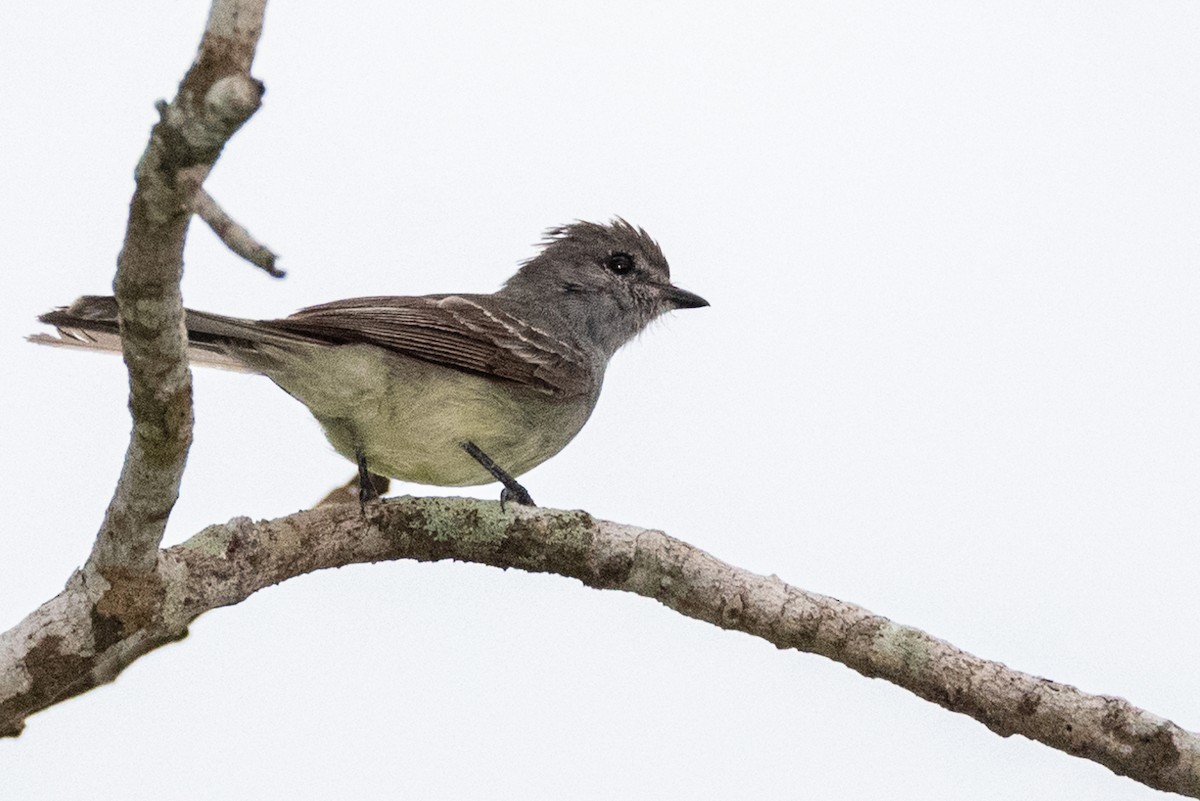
x,y
949,373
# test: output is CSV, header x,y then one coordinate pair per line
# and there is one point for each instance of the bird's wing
x,y
474,335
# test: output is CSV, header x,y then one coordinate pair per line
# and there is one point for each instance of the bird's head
x,y
610,279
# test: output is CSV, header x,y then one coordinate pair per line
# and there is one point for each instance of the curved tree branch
x,y
54,652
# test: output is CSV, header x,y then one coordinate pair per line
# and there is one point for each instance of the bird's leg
x,y
349,491
512,491
367,490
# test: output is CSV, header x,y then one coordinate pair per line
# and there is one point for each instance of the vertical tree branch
x,y
216,96
109,608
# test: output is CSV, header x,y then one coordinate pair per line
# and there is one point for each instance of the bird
x,y
446,390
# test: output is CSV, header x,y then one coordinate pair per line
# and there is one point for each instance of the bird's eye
x,y
619,263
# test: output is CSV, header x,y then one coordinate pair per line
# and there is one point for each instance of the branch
x,y
109,612
216,96
235,236
63,648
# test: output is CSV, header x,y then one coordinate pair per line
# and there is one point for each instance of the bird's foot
x,y
516,494
513,491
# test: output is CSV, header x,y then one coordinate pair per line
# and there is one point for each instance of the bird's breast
x,y
411,417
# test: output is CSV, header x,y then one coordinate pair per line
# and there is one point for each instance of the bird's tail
x,y
214,340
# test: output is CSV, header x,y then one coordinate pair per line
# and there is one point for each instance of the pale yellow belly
x,y
411,417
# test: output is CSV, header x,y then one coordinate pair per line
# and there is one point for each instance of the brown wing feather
x,y
477,335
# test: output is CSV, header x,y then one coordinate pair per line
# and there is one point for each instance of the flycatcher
x,y
448,390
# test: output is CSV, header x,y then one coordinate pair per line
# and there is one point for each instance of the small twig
x,y
235,236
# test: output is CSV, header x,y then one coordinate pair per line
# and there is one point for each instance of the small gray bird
x,y
448,390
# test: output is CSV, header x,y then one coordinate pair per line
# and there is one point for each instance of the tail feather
x,y
90,323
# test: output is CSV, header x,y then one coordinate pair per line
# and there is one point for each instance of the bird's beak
x,y
681,299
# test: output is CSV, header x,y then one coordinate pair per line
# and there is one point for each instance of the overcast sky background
x,y
949,373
